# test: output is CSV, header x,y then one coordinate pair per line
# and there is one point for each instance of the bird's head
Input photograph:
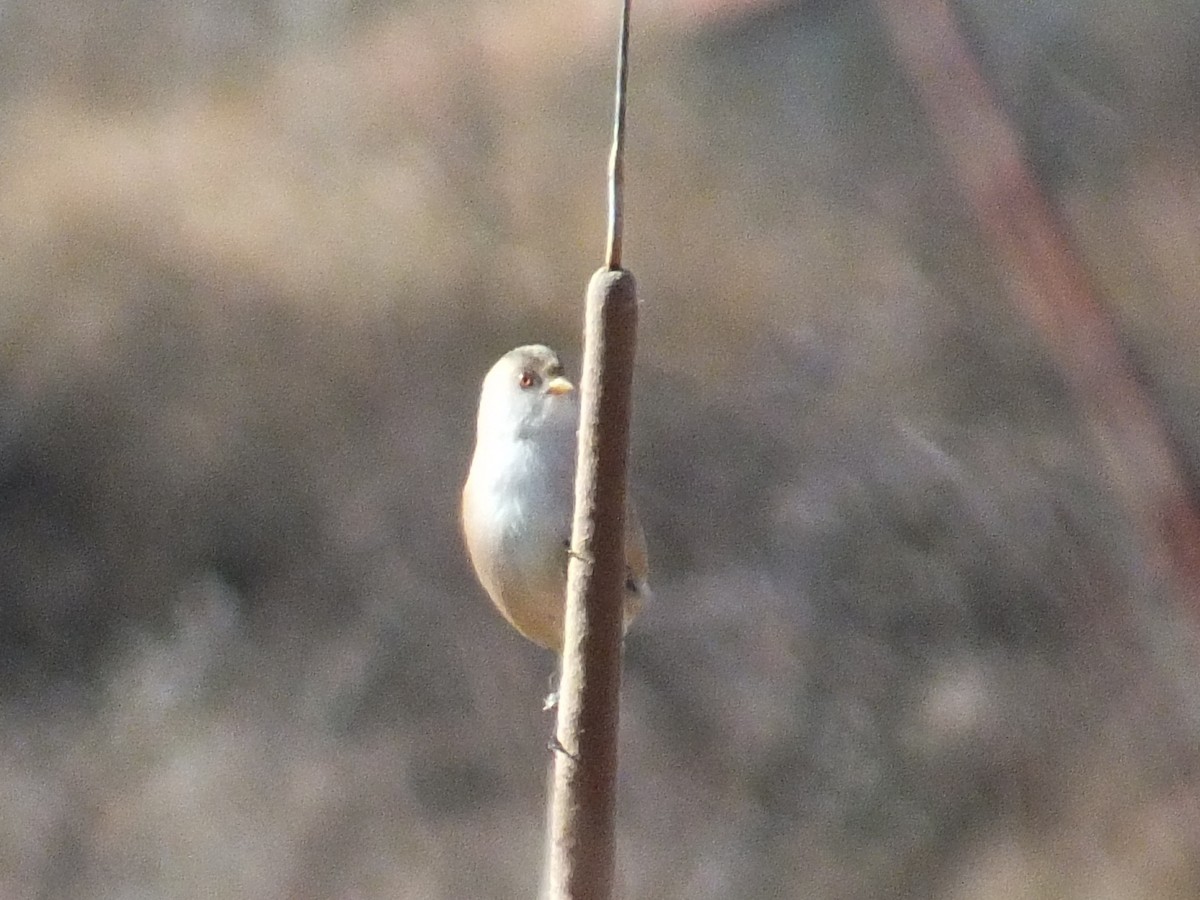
x,y
524,394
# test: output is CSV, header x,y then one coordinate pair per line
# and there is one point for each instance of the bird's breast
x,y
520,498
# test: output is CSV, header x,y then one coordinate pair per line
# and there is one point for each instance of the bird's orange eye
x,y
527,379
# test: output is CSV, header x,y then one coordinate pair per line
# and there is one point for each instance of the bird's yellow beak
x,y
559,385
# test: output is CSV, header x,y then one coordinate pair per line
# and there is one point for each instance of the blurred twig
x,y
1048,283
582,830
616,160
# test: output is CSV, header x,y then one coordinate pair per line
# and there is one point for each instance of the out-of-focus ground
x,y
255,259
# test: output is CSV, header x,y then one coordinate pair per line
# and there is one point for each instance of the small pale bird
x,y
519,496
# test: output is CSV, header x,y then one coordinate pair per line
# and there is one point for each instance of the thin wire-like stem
x,y
616,159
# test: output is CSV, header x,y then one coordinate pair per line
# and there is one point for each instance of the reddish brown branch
x,y
1047,281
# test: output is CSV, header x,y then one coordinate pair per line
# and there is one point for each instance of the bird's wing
x,y
637,564
636,560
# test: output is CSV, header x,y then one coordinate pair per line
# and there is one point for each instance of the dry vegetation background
x,y
255,259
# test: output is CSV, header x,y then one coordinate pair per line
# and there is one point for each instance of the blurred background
x,y
255,258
